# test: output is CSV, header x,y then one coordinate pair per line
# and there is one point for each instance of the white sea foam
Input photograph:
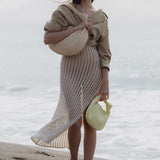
x,y
132,132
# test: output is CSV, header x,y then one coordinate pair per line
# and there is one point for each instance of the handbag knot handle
x,y
97,98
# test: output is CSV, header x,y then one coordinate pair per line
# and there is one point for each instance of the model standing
x,y
82,77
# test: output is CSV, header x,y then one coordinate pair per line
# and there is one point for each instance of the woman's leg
x,y
89,142
74,137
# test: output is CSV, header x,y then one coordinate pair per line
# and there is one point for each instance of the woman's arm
x,y
105,74
55,37
104,90
105,59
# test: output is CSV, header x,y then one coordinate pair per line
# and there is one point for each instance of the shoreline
x,y
14,151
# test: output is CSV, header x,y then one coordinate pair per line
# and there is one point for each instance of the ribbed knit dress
x,y
80,77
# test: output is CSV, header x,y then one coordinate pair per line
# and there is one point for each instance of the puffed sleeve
x,y
103,47
57,22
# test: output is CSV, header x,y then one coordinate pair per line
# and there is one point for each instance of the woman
x,y
82,77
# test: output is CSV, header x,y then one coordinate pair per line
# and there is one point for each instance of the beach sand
x,y
12,151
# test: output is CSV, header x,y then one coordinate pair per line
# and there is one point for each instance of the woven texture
x,y
72,44
63,17
80,76
75,42
80,80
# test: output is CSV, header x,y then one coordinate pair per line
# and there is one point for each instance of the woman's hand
x,y
104,90
86,23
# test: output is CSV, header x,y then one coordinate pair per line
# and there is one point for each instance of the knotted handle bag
x,y
75,42
95,116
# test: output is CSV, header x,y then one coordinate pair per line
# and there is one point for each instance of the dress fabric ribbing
x,y
80,80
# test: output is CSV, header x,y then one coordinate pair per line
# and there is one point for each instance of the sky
x,y
132,24
27,17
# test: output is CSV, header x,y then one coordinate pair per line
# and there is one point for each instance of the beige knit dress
x,y
80,76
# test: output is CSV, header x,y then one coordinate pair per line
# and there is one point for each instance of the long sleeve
x,y
103,47
57,22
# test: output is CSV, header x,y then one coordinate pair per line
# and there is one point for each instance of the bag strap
x,y
97,98
105,14
108,105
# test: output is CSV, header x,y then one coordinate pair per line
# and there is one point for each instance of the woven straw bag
x,y
95,116
75,42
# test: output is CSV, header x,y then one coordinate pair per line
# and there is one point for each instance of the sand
x,y
12,151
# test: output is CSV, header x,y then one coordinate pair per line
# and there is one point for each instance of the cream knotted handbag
x,y
95,116
73,43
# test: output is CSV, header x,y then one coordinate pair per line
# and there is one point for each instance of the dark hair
x,y
78,1
74,1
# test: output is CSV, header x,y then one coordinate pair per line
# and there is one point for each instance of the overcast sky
x,y
131,23
29,16
135,8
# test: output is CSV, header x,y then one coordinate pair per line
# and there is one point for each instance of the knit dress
x,y
80,79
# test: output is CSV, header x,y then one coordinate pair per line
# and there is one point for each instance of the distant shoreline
x,y
13,151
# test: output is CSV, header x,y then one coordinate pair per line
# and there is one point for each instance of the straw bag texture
x,y
96,117
75,42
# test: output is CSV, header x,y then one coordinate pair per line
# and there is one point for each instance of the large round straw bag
x,y
75,42
95,115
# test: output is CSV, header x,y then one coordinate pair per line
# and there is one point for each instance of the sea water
x,y
29,92
29,89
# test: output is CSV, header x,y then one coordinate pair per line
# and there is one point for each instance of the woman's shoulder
x,y
62,6
62,9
